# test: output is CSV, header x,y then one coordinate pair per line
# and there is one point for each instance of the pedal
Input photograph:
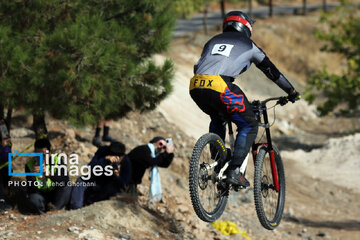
x,y
237,188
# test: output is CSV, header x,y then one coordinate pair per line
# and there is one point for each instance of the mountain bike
x,y
207,182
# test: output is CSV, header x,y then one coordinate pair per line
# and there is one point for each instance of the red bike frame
x,y
268,145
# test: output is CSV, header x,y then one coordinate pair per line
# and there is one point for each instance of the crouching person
x,y
5,149
98,188
157,153
49,191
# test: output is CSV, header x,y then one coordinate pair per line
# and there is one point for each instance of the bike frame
x,y
268,144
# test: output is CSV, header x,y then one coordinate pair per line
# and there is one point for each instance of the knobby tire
x,y
262,194
200,146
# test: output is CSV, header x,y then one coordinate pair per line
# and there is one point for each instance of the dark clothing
x,y
4,179
60,179
125,168
4,153
59,197
141,159
105,186
39,197
224,57
4,172
232,105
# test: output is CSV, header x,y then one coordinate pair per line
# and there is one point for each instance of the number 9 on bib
x,y
222,49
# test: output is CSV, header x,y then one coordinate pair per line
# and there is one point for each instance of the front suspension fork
x,y
273,170
272,163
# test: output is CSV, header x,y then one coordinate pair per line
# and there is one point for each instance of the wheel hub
x,y
203,176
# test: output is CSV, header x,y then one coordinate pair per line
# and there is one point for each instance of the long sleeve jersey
x,y
231,53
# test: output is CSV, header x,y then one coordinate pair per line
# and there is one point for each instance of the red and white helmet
x,y
237,21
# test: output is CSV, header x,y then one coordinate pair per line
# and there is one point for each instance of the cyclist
x,y
224,57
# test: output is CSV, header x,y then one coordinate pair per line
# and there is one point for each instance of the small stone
x,y
53,229
73,229
9,234
321,234
38,232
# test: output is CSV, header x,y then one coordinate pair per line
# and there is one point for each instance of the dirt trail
x,y
322,200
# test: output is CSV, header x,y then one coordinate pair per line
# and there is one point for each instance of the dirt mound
x,y
337,162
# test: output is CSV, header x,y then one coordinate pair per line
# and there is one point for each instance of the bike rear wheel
x,y
269,203
207,195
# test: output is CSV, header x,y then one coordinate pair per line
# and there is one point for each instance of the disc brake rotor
x,y
203,176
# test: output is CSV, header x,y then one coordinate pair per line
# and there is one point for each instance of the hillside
x,y
321,157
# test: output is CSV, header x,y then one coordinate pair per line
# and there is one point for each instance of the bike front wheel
x,y
269,201
208,196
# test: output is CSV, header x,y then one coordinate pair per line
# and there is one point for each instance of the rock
x,y
38,232
21,132
322,234
183,209
70,133
73,229
123,237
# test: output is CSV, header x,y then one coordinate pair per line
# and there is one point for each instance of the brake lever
x,y
282,101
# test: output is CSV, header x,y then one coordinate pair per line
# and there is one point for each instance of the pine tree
x,y
84,60
342,36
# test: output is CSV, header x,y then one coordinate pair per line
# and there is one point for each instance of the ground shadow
x,y
350,225
290,143
19,121
81,139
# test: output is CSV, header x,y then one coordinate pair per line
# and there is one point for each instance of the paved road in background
x,y
185,26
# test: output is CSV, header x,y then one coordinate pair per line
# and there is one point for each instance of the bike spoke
x,y
269,194
208,190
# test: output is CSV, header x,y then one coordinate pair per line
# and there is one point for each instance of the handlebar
x,y
280,100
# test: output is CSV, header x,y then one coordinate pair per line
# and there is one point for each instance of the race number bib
x,y
222,49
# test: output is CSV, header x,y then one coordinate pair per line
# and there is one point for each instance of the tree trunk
x,y
304,7
324,6
270,8
250,8
1,111
9,117
222,7
39,125
205,19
